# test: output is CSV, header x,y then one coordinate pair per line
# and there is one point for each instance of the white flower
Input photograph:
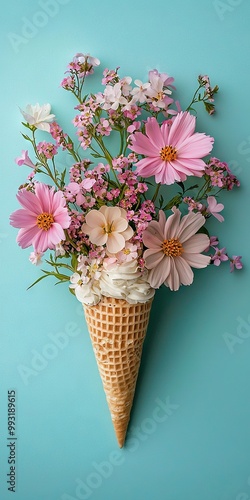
x,y
86,291
38,116
113,97
59,250
139,93
82,58
36,258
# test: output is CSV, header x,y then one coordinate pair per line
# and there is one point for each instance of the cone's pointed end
x,y
120,436
121,442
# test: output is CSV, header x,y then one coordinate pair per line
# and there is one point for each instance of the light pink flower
x,y
173,248
35,258
128,253
219,256
38,116
139,92
114,97
42,218
108,226
235,262
214,207
24,159
83,58
172,151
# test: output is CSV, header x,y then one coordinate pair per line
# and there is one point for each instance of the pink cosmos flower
x,y
172,151
108,226
173,248
214,207
42,218
24,159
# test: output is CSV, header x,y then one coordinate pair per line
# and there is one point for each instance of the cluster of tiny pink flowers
x,y
192,204
81,66
68,83
75,172
76,239
141,218
110,76
209,92
220,174
220,255
59,136
48,149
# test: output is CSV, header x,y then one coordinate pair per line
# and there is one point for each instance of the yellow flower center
x,y
107,229
172,248
168,153
44,221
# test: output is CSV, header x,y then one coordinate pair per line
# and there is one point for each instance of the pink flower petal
x,y
189,225
196,244
197,260
186,275
160,273
26,236
153,132
153,258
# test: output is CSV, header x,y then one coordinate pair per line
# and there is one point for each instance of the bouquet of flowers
x,y
128,215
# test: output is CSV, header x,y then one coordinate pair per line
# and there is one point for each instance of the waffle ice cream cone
x,y
117,330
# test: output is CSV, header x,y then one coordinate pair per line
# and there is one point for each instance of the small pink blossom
x,y
213,208
235,263
128,253
104,127
47,148
219,256
24,159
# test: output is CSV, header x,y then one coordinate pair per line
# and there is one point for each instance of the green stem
x,y
156,192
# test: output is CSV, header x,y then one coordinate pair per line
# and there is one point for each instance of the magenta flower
x,y
173,248
42,219
172,151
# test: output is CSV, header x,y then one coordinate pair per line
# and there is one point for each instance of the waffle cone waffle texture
x,y
117,330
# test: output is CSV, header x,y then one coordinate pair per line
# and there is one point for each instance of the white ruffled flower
x,y
38,116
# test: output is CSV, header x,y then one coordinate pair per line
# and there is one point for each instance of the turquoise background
x,y
191,417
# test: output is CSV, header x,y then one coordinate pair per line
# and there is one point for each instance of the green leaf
x,y
26,137
37,281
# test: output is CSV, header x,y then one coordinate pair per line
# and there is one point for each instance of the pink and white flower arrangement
x,y
122,220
